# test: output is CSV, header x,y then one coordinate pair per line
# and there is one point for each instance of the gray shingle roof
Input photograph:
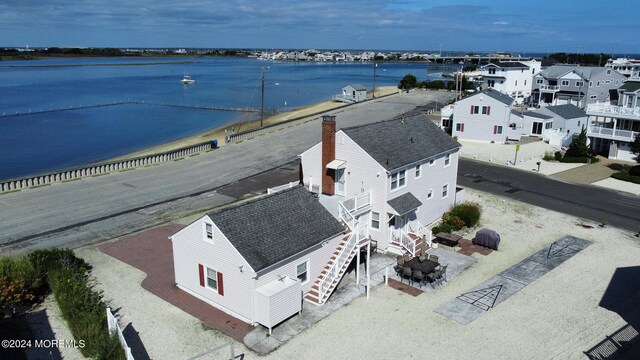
x,y
556,71
508,64
272,228
567,111
630,86
536,115
503,98
358,86
404,203
397,143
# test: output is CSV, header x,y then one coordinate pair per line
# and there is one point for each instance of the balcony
x,y
546,87
611,133
606,109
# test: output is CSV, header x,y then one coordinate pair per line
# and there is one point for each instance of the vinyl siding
x,y
479,127
271,310
318,258
190,249
312,165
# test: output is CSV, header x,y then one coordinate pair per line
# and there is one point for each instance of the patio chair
x,y
433,277
443,273
433,258
406,257
399,265
419,277
407,273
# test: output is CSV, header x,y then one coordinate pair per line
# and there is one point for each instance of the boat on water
x,y
187,80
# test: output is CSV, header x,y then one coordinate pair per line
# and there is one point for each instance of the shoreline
x,y
219,132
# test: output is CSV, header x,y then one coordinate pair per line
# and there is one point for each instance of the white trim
x,y
206,279
379,221
206,232
418,171
398,186
447,157
443,188
308,268
432,162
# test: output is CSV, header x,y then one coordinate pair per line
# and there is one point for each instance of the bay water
x,y
36,142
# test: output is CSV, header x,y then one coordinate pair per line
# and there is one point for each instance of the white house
x,y
613,126
352,93
562,122
398,176
484,116
572,84
256,260
513,78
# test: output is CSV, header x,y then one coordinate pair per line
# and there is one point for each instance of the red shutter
x,y
201,270
471,109
220,284
488,110
495,129
461,127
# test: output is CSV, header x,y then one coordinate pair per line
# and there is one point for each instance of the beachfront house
x,y
398,176
573,84
614,125
511,78
484,116
256,260
352,93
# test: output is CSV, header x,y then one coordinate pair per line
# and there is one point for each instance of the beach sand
x,y
239,125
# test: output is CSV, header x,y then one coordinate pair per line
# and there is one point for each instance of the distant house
x,y
571,84
397,176
512,78
255,260
352,94
562,123
614,125
484,116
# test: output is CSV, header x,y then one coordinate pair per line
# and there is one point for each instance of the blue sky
x,y
470,25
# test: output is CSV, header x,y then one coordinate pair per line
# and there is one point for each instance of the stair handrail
x,y
400,237
334,271
346,216
415,227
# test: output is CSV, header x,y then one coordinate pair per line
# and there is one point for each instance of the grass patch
x,y
192,155
578,159
178,159
625,176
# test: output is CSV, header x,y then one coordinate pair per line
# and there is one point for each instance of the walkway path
x,y
472,304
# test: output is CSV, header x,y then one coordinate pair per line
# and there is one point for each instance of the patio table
x,y
448,239
425,266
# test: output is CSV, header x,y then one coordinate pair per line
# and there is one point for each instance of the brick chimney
x,y
328,153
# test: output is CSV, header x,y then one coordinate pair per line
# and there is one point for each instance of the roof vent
x,y
412,140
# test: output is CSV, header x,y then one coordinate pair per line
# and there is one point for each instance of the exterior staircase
x,y
336,267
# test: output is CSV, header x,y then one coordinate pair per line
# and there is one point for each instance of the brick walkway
x,y
589,174
467,247
151,252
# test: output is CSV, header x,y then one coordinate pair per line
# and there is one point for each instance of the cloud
x,y
500,23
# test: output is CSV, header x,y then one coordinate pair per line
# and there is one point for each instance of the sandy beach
x,y
219,132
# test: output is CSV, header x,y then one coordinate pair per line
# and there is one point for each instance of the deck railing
x,y
358,202
607,109
416,228
548,87
346,216
613,133
400,237
341,262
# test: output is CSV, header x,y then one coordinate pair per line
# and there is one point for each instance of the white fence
x,y
282,187
113,326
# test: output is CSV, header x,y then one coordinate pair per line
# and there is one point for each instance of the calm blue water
x,y
38,143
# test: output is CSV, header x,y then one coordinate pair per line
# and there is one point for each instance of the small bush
x,y
625,176
579,159
548,156
19,283
468,212
635,171
558,155
445,228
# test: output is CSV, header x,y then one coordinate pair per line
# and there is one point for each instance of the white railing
x,y
400,237
358,202
611,133
112,323
341,262
608,109
548,87
282,187
346,216
416,228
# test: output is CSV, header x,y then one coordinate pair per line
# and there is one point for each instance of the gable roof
x,y
567,111
557,71
400,142
272,228
357,87
503,98
507,64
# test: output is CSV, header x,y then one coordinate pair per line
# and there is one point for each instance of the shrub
x,y
635,171
625,176
446,228
19,283
468,212
548,156
558,155
579,159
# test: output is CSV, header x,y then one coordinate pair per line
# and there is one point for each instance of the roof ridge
x,y
396,118
252,200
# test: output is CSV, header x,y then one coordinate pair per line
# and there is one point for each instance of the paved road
x,y
586,201
98,208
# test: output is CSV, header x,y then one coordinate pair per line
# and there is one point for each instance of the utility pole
x,y
262,98
375,66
